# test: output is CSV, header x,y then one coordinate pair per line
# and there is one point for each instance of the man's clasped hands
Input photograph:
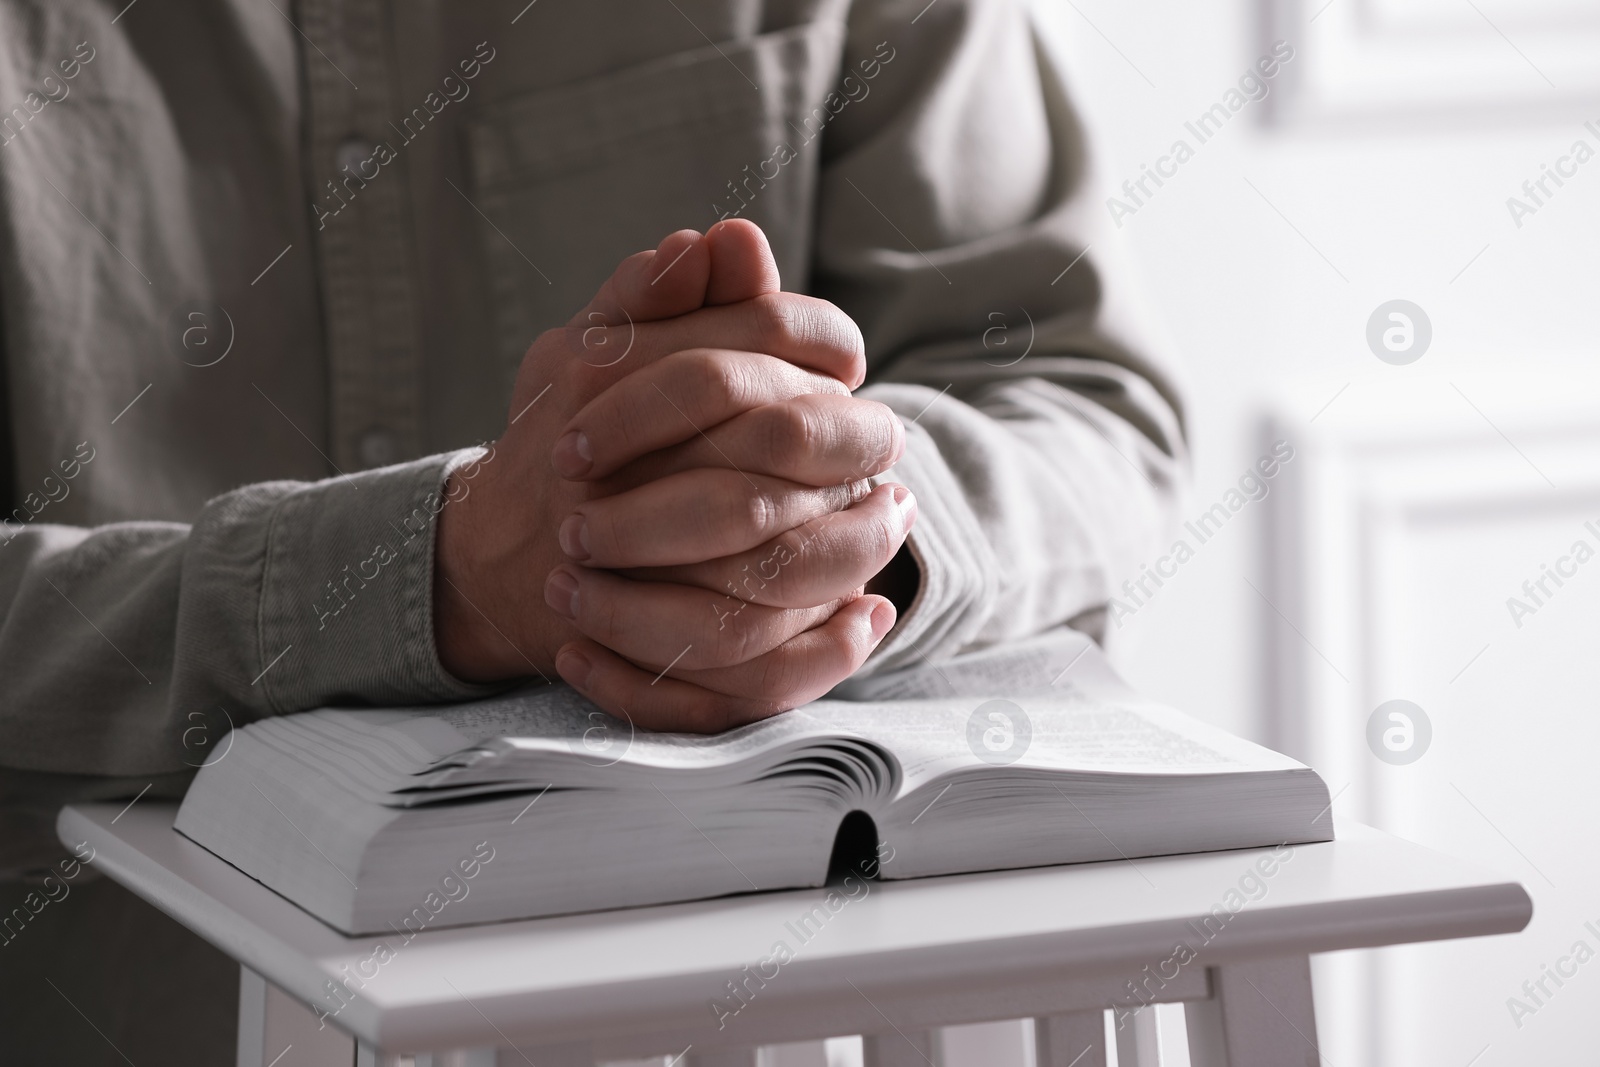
x,y
677,519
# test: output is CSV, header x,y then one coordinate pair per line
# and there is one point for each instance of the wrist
x,y
466,596
456,626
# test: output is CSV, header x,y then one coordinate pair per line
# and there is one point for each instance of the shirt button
x,y
378,447
350,154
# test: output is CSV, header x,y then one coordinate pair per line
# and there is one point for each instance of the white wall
x,y
1271,320
1261,317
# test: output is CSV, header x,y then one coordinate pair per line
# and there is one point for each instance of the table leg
x,y
1260,1014
1077,1039
272,1023
1137,1042
912,1048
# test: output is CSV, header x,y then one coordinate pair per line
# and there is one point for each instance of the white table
x,y
1061,945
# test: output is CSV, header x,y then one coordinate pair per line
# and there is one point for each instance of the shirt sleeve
x,y
118,642
959,225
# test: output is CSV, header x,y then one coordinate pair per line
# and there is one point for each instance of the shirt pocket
x,y
571,180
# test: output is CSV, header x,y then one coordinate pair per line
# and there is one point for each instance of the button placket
x,y
365,248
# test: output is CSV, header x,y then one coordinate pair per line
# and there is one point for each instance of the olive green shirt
x,y
267,269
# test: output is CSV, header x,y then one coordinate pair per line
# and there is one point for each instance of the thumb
x,y
742,264
647,286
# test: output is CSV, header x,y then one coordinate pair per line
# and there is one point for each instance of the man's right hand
x,y
700,323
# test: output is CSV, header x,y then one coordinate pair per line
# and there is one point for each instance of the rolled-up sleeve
x,y
959,224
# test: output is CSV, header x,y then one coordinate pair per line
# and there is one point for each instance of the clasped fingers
x,y
695,515
661,623
708,700
816,562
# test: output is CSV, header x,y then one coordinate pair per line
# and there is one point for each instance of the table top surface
x,y
1364,889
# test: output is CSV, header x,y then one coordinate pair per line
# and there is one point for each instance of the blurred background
x,y
1440,460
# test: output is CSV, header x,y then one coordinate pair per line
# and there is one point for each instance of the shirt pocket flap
x,y
577,177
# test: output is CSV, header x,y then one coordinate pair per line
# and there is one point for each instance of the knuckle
x,y
788,322
545,349
633,265
780,321
744,586
618,421
788,676
819,389
761,512
848,646
886,434
715,384
887,534
791,430
840,330
777,681
615,432
734,643
829,327
839,498
556,337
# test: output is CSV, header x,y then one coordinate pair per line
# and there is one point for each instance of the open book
x,y
536,803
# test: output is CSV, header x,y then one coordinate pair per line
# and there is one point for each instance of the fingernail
x,y
883,617
561,593
575,667
574,537
907,503
572,456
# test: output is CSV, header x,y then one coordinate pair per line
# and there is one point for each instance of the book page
x,y
551,733
924,722
1030,666
602,738
1050,703
1090,720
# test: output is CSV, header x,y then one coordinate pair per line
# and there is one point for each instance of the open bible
x,y
536,803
